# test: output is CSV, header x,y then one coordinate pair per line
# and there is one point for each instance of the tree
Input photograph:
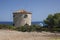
x,y
53,21
49,21
57,19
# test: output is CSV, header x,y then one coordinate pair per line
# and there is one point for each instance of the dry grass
x,y
15,35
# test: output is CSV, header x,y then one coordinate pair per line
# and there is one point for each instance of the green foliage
x,y
22,28
56,29
29,28
53,21
3,26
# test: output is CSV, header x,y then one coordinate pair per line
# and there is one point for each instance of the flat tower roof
x,y
22,12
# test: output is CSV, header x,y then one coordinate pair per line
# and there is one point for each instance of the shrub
x,y
45,29
3,26
22,28
35,28
56,29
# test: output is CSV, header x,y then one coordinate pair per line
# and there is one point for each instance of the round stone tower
x,y
21,18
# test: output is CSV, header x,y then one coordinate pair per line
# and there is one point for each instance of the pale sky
x,y
40,9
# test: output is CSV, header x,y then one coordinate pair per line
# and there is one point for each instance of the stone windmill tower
x,y
21,17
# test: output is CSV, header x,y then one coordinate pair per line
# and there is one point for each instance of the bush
x,y
45,29
22,28
25,28
29,28
3,26
56,29
35,28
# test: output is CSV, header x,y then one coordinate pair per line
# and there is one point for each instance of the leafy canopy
x,y
53,20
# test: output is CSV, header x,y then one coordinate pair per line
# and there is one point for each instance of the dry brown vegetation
x,y
15,35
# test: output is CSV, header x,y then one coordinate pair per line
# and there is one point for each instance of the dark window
x,y
25,16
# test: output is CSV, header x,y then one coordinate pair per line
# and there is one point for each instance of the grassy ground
x,y
15,35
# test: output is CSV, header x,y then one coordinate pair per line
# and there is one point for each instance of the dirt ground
x,y
15,35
